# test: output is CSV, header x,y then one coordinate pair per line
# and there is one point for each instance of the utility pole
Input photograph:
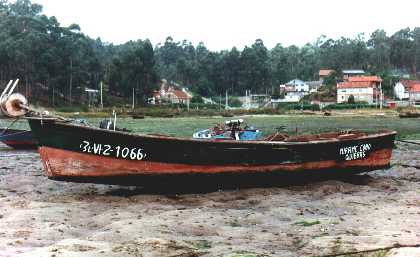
x,y
132,107
381,96
226,100
409,96
249,98
246,98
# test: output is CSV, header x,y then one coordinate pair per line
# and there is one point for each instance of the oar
x,y
13,87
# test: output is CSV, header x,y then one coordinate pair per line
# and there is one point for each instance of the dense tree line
x,y
36,49
63,61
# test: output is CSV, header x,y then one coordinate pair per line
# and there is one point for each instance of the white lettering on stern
x,y
355,152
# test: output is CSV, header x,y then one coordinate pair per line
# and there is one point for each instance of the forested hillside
x,y
53,59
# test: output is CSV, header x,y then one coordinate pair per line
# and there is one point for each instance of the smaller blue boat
x,y
231,130
18,139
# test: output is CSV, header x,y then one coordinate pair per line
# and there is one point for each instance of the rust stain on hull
x,y
64,163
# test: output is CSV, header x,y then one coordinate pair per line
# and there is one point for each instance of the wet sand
x,y
41,217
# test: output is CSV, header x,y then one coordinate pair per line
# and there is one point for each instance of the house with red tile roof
x,y
324,73
407,90
363,88
176,96
365,79
171,93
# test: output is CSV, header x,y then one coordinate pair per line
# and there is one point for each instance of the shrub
x,y
351,100
197,99
82,108
299,106
234,102
345,106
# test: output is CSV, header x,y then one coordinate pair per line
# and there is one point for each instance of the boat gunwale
x,y
11,132
15,132
204,141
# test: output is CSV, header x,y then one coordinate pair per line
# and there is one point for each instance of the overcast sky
x,y
222,24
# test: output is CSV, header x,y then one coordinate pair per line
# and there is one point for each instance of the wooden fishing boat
x,y
76,152
18,139
409,114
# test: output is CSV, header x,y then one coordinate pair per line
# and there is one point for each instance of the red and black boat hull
x,y
74,152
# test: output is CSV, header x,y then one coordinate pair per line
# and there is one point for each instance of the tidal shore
x,y
40,217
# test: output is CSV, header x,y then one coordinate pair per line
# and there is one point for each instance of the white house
x,y
290,95
362,88
415,93
362,92
314,85
298,85
293,96
400,91
294,91
404,88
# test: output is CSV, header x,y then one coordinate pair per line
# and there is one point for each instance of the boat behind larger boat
x,y
18,139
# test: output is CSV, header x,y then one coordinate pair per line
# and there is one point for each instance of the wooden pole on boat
x,y
7,87
115,118
102,103
13,87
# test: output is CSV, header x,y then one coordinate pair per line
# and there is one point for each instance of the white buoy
x,y
14,105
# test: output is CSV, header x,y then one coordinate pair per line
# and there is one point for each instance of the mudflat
x,y
40,217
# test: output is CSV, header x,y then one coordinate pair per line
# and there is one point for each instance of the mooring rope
x,y
407,142
8,127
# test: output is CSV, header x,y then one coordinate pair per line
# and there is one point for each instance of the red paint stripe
x,y
63,163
